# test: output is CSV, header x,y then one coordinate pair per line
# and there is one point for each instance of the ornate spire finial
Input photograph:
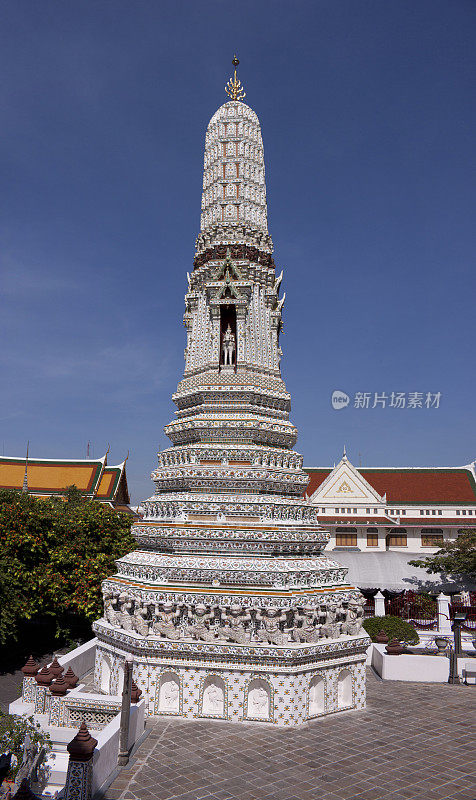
x,y
233,88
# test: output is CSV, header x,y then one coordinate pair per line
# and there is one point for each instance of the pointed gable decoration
x,y
228,289
228,269
345,482
226,272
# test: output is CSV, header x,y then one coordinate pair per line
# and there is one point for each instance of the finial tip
x,y
233,88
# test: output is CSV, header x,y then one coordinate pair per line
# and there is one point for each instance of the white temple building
x,y
379,518
229,608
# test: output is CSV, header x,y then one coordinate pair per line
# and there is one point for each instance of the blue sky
x,y
368,117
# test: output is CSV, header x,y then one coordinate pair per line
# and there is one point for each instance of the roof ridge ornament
x,y
234,88
24,487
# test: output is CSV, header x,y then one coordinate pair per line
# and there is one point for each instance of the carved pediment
x,y
345,484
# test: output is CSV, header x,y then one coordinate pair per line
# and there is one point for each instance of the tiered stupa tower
x,y
228,606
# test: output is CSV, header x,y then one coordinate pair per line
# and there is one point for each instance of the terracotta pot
x,y
394,648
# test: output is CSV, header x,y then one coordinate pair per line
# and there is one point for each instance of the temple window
x,y
372,537
346,537
432,537
397,538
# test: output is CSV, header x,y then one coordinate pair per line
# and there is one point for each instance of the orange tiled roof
x,y
48,477
425,485
107,484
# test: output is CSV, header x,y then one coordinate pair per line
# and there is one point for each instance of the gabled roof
x,y
411,485
113,484
345,484
50,477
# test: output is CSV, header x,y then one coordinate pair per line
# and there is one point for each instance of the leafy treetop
x,y
456,558
54,553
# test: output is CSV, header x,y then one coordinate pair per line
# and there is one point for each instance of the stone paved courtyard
x,y
413,741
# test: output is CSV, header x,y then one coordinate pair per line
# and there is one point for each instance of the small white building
x,y
381,517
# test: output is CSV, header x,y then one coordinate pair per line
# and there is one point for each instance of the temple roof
x,y
50,477
411,485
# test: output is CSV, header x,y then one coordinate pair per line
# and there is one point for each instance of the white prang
x,y
228,605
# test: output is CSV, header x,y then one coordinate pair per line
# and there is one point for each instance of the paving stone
x,y
413,742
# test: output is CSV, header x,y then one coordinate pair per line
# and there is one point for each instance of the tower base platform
x,y
255,682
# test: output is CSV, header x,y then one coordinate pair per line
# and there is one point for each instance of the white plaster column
x,y
379,604
444,622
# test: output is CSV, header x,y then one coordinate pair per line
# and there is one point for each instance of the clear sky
x,y
368,116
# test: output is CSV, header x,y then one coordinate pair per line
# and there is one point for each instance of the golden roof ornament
x,y
233,88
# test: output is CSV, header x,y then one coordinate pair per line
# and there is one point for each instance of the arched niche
x,y
344,689
105,678
259,699
316,697
213,696
169,693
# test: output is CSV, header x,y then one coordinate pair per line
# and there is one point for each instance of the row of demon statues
x,y
234,623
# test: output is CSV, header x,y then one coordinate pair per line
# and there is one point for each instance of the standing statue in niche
x,y
234,628
228,347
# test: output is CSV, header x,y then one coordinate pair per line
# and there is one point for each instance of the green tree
x,y
13,731
394,627
457,558
54,555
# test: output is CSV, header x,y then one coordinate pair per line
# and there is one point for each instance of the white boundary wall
x,y
419,668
